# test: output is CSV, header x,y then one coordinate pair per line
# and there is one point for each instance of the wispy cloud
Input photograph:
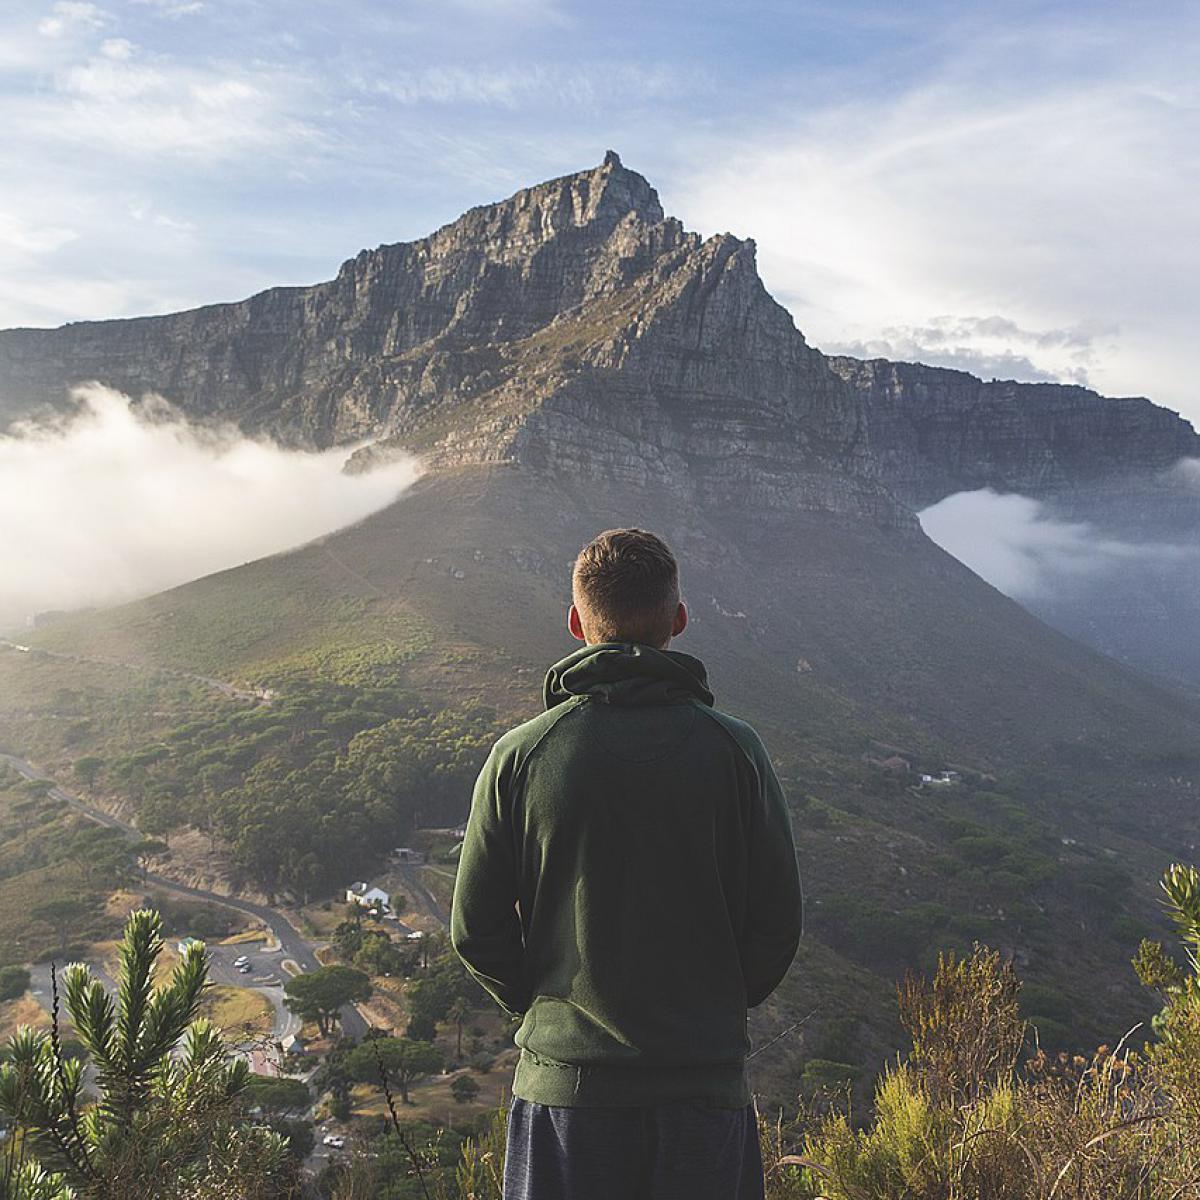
x,y
125,498
984,347
70,16
1021,548
1043,171
510,87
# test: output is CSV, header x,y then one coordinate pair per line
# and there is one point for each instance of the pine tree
x,y
166,1120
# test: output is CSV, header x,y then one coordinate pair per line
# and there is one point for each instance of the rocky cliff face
x,y
573,329
936,431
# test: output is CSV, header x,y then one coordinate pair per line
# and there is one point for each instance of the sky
x,y
1006,187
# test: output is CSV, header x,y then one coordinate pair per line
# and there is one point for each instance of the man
x,y
628,887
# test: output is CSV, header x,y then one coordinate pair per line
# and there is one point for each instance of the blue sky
x,y
1010,187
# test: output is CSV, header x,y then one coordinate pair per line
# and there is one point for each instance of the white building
x,y
368,897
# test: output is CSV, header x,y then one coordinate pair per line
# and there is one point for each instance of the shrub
x,y
959,1120
14,982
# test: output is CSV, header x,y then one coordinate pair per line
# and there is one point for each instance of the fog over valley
x,y
121,497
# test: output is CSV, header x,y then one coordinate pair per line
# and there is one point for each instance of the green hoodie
x,y
628,884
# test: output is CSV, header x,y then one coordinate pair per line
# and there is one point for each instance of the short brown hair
x,y
625,585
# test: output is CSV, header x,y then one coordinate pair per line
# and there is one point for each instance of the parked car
x,y
245,968
333,1139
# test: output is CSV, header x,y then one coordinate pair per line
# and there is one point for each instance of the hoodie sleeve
x,y
484,927
775,912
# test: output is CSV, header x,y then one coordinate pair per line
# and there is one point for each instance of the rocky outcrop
x,y
575,329
936,431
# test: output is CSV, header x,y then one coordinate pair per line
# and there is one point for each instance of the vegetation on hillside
x,y
979,1110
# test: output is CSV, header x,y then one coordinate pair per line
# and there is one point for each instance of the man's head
x,y
625,587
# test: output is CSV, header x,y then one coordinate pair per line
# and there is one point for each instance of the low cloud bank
x,y
121,499
1019,548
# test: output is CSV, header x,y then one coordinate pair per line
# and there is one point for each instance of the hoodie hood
x,y
627,673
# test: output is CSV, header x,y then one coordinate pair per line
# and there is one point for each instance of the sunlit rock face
x,y
574,331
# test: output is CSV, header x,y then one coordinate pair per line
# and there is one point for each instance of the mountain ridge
x,y
582,271
559,377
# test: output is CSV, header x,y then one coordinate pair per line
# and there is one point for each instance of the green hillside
x,y
392,652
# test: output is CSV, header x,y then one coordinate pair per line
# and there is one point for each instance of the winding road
x,y
293,945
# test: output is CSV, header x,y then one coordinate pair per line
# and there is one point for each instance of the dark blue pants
x,y
680,1151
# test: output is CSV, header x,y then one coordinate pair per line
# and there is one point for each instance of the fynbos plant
x,y
164,1122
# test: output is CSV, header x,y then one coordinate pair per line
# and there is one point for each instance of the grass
x,y
245,938
432,1100
24,1010
240,1013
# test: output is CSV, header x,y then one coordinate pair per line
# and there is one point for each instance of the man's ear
x,y
575,625
681,620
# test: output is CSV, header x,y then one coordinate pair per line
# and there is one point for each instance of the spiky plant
x,y
164,1121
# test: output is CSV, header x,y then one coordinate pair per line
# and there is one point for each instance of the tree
x,y
429,1002
14,982
277,1094
320,995
87,770
460,1012
464,1089
401,1061
145,850
165,1121
64,913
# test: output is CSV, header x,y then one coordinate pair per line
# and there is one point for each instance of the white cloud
x,y
1020,548
22,239
508,87
173,8
71,16
117,48
1048,174
120,500
1187,472
984,347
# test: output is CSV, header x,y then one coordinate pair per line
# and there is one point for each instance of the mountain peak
x,y
601,195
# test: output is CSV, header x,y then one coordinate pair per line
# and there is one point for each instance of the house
x,y
949,777
293,1043
368,897
406,854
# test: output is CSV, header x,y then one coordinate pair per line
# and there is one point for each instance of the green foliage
x,y
401,1061
307,792
277,1093
464,1089
320,995
958,1121
14,982
165,1120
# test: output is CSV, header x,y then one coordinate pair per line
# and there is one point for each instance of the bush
x,y
14,982
961,1120
464,1089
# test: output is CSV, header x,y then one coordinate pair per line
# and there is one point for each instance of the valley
x,y
572,359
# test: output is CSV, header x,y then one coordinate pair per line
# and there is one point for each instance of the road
x,y
259,695
292,944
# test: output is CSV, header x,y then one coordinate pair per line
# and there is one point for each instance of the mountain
x,y
574,328
1121,471
571,359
